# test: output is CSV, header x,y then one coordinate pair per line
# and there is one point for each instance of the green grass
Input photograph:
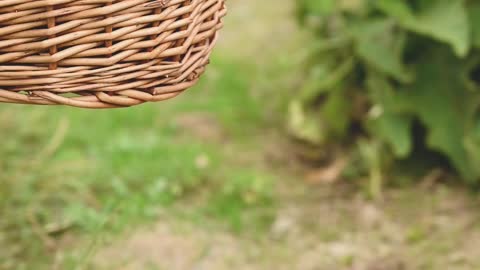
x,y
100,172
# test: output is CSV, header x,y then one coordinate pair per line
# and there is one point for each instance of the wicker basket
x,y
104,54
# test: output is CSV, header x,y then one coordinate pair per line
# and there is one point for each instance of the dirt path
x,y
325,229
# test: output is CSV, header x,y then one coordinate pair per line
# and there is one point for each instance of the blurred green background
x,y
274,160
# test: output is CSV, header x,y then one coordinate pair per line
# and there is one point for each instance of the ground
x,y
328,228
211,181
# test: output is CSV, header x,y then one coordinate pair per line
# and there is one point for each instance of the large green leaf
x,y
440,99
381,47
443,20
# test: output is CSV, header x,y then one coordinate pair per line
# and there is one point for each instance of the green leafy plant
x,y
386,67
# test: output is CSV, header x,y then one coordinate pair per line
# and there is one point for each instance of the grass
x,y
103,171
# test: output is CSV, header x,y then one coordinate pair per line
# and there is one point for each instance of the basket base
x,y
142,51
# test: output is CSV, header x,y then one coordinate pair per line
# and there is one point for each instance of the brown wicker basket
x,y
104,54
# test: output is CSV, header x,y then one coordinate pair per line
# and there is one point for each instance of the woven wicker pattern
x,y
104,54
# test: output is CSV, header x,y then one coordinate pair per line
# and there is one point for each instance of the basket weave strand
x,y
104,54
